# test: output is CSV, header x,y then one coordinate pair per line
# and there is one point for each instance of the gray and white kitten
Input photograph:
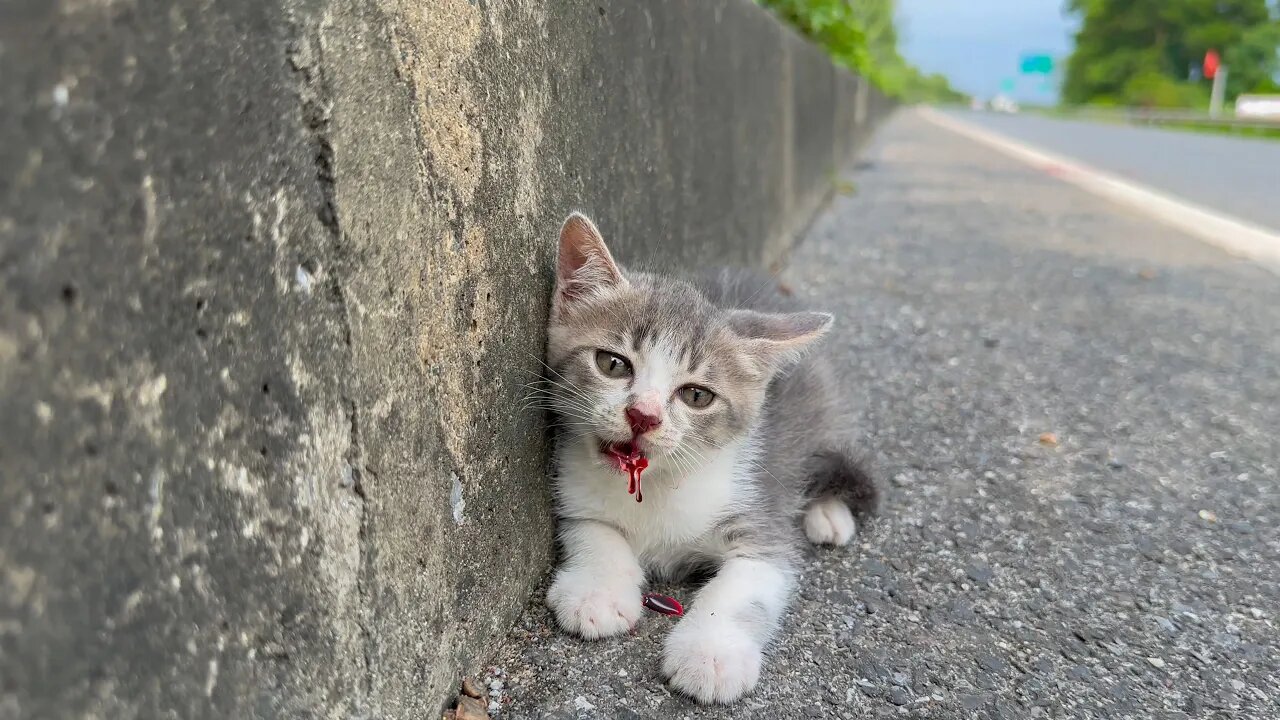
x,y
744,441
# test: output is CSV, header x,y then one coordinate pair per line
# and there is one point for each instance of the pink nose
x,y
643,418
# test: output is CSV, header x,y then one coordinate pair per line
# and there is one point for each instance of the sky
x,y
978,43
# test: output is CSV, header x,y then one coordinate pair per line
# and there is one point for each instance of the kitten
x,y
743,438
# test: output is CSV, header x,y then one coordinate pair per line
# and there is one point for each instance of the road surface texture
x,y
1126,566
1236,176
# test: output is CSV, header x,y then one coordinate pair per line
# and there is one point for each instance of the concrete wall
x,y
272,274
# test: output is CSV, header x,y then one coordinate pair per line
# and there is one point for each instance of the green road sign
x,y
1007,85
1037,65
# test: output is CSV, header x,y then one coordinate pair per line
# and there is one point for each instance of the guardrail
x,y
1175,118
1191,117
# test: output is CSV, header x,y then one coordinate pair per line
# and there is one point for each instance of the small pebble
x,y
992,663
1238,685
1156,662
979,573
469,688
1208,516
470,709
496,685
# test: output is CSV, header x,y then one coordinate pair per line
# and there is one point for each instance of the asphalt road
x,y
1075,413
1233,175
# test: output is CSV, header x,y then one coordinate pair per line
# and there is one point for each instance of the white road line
x,y
1236,236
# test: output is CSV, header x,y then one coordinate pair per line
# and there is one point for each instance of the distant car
x,y
1265,107
1004,104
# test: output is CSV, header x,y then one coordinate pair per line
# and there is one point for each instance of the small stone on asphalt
x,y
980,574
992,663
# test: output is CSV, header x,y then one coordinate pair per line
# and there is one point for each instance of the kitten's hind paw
x,y
828,521
711,659
592,606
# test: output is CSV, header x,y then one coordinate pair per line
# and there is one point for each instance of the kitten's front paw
x,y
711,659
592,606
829,522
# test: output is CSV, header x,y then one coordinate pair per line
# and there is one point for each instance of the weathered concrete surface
x,y
272,274
1128,567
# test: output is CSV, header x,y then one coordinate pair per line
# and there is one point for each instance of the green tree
x,y
861,35
1254,61
1139,52
830,23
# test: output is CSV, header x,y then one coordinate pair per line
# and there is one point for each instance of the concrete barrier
x,y
272,276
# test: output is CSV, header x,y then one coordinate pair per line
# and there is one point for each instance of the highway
x,y
1236,176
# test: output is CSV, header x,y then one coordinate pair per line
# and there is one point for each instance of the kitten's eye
x,y
696,397
614,366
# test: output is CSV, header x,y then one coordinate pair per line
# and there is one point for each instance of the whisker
x,y
570,388
553,401
566,394
553,395
545,365
585,417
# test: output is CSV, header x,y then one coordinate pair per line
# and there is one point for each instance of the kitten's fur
x,y
728,486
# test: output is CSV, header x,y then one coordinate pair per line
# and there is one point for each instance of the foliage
x,y
1254,61
1155,90
1142,52
861,35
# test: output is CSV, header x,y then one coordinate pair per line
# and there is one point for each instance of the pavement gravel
x,y
1074,413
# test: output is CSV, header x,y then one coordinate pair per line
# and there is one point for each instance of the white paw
x,y
593,605
829,522
711,659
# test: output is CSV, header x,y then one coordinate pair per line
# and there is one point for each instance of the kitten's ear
x,y
583,263
779,337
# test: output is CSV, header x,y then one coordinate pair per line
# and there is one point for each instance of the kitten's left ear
x,y
583,263
778,338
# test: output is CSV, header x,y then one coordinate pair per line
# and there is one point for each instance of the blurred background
x,y
1061,55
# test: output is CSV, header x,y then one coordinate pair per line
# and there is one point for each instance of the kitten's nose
x,y
643,417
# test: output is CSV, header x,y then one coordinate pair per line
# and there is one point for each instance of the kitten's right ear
x,y
583,263
779,338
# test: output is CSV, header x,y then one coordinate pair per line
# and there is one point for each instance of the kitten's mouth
x,y
627,457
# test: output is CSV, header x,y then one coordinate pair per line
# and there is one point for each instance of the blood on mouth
x,y
630,459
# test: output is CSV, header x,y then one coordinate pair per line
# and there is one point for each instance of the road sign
x,y
1211,62
1037,64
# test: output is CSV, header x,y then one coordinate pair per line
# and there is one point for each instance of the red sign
x,y
1211,64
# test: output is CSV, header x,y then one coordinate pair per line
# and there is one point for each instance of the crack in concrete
x,y
306,57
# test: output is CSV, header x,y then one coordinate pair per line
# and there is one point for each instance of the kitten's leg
x,y
714,653
840,486
828,521
596,592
